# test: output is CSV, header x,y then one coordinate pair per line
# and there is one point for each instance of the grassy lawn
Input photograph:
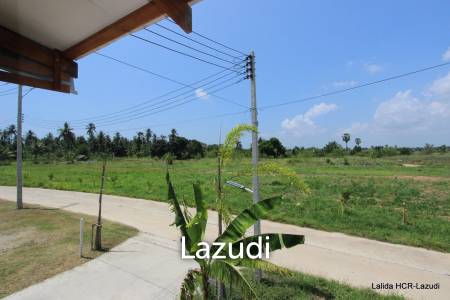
x,y
379,189
37,243
300,286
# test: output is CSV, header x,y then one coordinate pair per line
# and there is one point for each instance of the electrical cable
x,y
184,86
354,87
148,104
177,51
161,108
195,41
211,40
187,46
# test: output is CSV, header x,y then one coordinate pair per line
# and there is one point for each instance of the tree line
x,y
68,146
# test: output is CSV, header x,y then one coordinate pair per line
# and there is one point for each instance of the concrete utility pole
x,y
19,176
255,150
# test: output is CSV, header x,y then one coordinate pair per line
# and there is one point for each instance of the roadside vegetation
x,y
37,243
237,275
299,286
394,194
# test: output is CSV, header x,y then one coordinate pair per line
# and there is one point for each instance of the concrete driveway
x,y
149,265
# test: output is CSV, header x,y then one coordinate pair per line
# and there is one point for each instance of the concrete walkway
x,y
358,261
143,267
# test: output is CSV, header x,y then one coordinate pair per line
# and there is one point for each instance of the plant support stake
x,y
81,236
98,232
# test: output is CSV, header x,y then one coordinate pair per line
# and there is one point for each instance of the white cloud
x,y
446,55
303,124
355,128
202,94
373,68
344,84
441,87
406,112
403,111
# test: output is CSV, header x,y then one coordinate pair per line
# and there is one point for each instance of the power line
x,y
164,107
29,91
177,51
175,105
211,40
147,104
187,46
159,109
9,90
139,68
181,121
192,87
195,41
355,87
14,92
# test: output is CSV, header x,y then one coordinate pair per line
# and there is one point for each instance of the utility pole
x,y
255,149
251,74
19,176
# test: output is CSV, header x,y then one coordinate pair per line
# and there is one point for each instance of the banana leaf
x,y
247,218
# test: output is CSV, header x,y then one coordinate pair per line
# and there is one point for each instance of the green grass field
x,y
378,188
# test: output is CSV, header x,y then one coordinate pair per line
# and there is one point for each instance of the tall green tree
x,y
272,147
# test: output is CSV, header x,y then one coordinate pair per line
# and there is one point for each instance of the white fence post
x,y
81,236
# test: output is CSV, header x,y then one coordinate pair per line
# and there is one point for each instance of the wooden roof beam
x,y
178,10
23,61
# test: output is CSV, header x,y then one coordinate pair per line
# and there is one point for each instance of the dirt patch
x,y
422,178
13,240
411,165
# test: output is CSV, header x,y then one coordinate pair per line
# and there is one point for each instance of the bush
x,y
346,161
405,151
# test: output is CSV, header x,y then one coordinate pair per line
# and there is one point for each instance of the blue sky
x,y
303,48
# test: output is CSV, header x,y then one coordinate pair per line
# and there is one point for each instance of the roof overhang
x,y
41,39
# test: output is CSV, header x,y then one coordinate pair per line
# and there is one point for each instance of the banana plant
x,y
196,284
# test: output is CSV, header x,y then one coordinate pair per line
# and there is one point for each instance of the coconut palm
x,y
197,281
90,130
10,134
67,136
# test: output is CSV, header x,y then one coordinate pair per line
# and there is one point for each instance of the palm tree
x,y
227,270
67,136
30,138
346,139
10,133
358,141
90,130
